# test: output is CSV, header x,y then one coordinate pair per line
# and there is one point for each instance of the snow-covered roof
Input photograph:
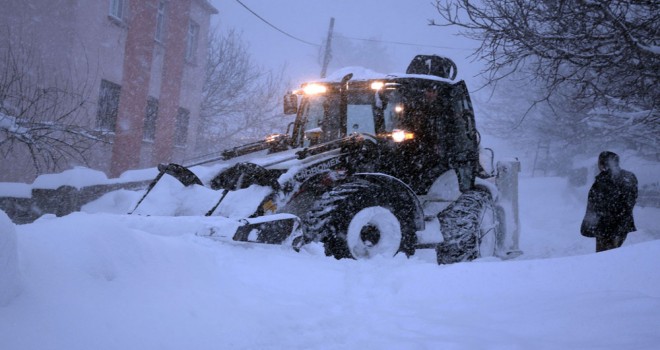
x,y
362,74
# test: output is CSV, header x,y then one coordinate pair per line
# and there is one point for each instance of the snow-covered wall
x,y
10,281
66,192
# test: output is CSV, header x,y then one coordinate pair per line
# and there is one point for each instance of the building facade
x,y
143,62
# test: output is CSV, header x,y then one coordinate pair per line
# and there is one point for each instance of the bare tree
x,y
600,58
40,113
241,101
556,124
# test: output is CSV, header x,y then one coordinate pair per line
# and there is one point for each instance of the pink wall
x,y
135,86
77,38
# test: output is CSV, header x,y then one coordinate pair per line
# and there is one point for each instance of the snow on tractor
x,y
376,165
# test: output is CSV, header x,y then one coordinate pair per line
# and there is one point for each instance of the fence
x,y
60,201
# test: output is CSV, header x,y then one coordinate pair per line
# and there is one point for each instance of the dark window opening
x,y
181,127
106,116
150,119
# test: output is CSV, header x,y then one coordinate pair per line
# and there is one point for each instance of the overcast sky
x,y
387,20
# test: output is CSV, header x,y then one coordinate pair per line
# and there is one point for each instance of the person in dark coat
x,y
609,215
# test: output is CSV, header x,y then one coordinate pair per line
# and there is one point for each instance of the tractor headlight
x,y
377,85
314,89
401,135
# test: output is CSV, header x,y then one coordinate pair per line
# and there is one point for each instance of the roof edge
x,y
208,7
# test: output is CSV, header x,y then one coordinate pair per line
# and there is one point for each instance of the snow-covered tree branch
x,y
40,116
601,57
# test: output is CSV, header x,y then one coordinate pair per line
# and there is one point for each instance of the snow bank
x,y
108,282
96,280
77,177
80,177
12,189
9,274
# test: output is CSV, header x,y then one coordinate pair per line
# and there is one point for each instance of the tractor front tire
x,y
359,220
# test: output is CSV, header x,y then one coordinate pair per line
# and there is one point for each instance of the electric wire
x,y
274,27
343,36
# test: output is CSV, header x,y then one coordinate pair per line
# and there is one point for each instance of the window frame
x,y
117,9
160,22
192,38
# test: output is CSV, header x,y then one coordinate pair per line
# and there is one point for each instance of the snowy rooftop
x,y
361,74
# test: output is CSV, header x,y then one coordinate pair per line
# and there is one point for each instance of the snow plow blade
x,y
282,229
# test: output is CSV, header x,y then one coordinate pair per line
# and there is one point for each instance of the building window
x,y
160,22
106,116
181,125
149,132
191,42
117,8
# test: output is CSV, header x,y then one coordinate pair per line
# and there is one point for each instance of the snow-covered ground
x,y
98,280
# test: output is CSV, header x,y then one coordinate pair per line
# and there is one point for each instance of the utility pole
x,y
328,49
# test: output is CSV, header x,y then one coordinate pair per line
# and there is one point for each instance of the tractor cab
x,y
423,125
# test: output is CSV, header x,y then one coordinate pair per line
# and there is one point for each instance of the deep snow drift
x,y
98,280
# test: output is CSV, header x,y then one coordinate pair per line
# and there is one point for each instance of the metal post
x,y
507,184
328,48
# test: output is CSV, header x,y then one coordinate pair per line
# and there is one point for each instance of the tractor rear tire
x,y
469,228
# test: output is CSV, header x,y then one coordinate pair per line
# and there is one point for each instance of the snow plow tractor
x,y
376,165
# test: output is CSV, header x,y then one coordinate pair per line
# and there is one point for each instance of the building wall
x,y
140,21
79,39
193,80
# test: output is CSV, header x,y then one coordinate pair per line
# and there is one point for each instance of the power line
x,y
274,27
343,36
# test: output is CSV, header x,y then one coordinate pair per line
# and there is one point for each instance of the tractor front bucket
x,y
282,229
